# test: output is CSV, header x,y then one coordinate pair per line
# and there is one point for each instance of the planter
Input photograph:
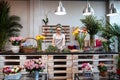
x,y
118,71
15,49
16,76
103,74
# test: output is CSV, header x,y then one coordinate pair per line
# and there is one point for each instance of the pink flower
x,y
18,38
12,39
34,64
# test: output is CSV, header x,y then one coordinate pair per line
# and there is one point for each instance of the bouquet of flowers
x,y
34,65
102,67
87,69
11,70
86,66
15,40
80,35
39,39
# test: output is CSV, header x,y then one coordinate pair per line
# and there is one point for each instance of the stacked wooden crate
x,y
60,67
109,61
78,60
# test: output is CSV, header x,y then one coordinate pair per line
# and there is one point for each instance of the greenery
x,y
9,25
52,49
111,30
102,67
92,24
66,51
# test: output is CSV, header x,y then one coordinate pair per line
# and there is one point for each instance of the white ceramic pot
x,y
15,49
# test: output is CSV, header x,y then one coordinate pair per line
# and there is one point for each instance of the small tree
x,y
9,25
93,26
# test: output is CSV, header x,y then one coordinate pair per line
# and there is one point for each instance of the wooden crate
x,y
60,67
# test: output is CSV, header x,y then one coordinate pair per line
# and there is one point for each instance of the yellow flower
x,y
76,31
37,37
40,37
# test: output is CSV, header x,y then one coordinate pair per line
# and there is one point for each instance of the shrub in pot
x,y
9,24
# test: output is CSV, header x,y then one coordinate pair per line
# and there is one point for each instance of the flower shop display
x,y
12,72
15,41
39,39
80,35
34,65
9,24
93,26
103,69
29,45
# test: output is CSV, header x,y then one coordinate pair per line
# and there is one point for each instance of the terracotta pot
x,y
118,71
103,74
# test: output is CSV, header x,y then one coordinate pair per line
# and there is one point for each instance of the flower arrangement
x,y
86,66
39,39
80,35
11,70
34,65
102,67
15,40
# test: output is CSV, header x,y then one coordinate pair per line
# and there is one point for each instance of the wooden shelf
x,y
49,30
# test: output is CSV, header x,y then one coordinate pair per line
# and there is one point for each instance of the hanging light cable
x,y
112,10
88,10
60,10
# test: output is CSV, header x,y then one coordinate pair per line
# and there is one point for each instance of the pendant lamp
x,y
112,10
88,10
60,10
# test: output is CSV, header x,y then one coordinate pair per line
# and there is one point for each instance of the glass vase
x,y
40,45
81,45
36,75
91,42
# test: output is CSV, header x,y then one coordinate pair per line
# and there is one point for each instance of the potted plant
x,y
93,26
110,31
80,35
118,65
15,41
34,65
12,72
9,24
103,69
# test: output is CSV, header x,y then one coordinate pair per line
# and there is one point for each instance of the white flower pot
x,y
15,49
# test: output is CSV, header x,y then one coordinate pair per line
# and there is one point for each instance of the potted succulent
x,y
118,65
103,69
9,24
93,26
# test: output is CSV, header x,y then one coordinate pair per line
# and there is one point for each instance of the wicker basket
x,y
27,49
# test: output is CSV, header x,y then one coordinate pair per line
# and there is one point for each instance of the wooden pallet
x,y
60,67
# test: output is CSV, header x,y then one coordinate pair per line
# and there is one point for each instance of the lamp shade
x,y
88,10
112,11
60,10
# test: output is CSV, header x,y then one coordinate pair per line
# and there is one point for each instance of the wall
x,y
33,11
